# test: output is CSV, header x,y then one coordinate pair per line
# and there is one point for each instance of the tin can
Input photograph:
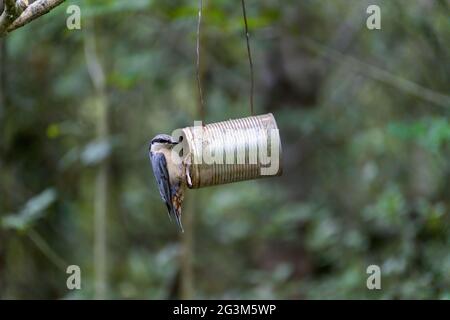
x,y
231,151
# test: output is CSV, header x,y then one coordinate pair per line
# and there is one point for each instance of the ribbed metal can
x,y
231,151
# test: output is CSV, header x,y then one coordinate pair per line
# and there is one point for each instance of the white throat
x,y
157,147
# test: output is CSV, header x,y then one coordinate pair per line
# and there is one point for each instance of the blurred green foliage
x,y
366,154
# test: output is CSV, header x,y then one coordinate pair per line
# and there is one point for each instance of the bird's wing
x,y
159,166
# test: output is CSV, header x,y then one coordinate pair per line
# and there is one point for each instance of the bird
x,y
168,174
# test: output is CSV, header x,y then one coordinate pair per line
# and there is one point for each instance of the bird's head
x,y
161,141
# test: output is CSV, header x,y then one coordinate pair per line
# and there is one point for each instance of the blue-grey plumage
x,y
167,175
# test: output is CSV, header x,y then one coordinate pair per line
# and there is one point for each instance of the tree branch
x,y
10,13
19,13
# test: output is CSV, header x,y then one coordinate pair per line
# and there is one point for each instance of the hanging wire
x,y
247,36
199,82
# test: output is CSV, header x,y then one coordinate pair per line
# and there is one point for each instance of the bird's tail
x,y
175,214
178,220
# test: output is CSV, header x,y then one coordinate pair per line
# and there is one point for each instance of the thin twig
x,y
381,75
247,36
199,82
34,10
47,250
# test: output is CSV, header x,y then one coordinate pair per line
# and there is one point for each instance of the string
x,y
198,72
247,36
199,82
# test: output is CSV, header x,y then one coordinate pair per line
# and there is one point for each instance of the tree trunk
x,y
187,273
101,183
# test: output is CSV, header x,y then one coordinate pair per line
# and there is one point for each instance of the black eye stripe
x,y
162,140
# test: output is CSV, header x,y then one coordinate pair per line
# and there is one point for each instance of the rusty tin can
x,y
231,151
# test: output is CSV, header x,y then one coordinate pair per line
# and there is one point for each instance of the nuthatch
x,y
169,175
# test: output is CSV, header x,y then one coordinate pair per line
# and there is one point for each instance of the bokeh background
x,y
364,118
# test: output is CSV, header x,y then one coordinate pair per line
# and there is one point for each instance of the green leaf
x,y
34,209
